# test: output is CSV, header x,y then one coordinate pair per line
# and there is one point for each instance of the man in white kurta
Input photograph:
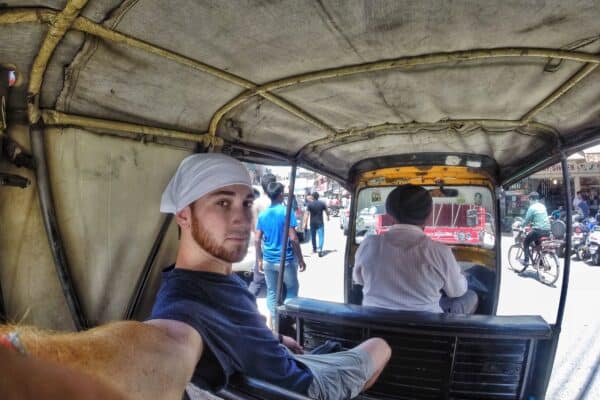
x,y
404,269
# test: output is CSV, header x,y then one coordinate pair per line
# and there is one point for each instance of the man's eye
x,y
223,203
249,203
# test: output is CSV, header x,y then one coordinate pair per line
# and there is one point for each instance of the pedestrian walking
x,y
270,229
316,208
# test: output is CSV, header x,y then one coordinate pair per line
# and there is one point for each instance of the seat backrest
x,y
433,355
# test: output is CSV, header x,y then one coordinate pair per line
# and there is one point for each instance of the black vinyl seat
x,y
434,356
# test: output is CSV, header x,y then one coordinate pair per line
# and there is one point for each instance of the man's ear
x,y
184,218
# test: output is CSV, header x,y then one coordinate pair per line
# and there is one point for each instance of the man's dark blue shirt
x,y
236,338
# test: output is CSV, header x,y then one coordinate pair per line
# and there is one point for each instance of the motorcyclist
x,y
537,216
558,213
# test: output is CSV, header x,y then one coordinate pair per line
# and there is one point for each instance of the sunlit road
x,y
575,374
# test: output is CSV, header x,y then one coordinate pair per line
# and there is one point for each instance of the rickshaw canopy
x,y
326,84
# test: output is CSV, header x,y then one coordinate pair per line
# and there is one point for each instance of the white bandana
x,y
199,175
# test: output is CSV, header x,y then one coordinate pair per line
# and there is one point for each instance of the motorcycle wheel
x,y
515,253
548,271
580,254
577,254
560,252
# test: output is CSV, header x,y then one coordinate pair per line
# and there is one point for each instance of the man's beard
x,y
202,237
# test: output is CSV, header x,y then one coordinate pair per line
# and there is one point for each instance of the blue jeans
x,y
290,279
317,230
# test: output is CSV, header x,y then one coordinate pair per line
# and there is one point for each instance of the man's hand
x,y
259,263
301,266
291,344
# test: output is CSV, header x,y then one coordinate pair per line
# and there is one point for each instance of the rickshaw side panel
x,y
106,193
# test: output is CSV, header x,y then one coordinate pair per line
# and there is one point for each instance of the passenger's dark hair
x,y
274,189
409,204
534,196
315,195
266,179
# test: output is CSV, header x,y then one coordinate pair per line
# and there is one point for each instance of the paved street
x,y
575,375
575,372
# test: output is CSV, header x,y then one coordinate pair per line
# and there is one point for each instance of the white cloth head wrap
x,y
199,175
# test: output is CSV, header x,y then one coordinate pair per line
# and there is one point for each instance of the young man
x,y
211,198
537,217
270,228
404,269
316,208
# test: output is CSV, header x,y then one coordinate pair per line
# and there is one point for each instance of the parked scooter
x,y
559,230
580,232
579,238
592,248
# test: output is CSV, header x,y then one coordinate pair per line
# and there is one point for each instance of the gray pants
x,y
338,376
465,304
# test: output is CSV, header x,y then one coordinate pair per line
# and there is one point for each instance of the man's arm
x,y
296,248
305,218
153,360
29,378
357,276
258,235
455,284
361,254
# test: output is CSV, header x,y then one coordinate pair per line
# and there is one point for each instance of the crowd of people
x,y
585,204
269,222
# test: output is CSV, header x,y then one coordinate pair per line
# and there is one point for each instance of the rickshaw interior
x,y
101,99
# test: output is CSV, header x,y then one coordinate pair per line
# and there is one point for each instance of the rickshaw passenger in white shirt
x,y
404,269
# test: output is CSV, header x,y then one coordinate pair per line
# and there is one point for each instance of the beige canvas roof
x,y
314,80
323,83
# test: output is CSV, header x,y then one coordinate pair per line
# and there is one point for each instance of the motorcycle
x,y
579,240
581,229
592,248
334,211
559,229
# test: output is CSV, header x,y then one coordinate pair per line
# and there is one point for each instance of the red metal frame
x,y
446,234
